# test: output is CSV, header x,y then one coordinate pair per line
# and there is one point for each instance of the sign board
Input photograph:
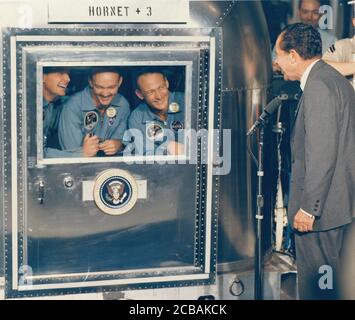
x,y
119,11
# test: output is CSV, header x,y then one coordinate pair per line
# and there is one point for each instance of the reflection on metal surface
x,y
115,191
40,191
246,78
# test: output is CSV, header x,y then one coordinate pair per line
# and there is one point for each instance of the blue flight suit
x,y
146,121
78,108
51,115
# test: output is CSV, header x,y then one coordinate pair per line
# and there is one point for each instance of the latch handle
x,y
41,192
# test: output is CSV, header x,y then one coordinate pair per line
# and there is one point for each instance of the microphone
x,y
268,110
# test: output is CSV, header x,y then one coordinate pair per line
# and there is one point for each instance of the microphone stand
x,y
258,276
261,122
258,264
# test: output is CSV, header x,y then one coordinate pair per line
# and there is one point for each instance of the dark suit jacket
x,y
323,150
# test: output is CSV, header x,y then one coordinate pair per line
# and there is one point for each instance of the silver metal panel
x,y
65,243
246,78
2,233
236,221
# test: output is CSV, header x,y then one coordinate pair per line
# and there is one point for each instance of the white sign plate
x,y
118,11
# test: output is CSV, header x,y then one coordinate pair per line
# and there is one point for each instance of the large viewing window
x,y
141,130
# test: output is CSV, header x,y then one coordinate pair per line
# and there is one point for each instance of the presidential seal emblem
x,y
115,191
90,120
174,107
155,131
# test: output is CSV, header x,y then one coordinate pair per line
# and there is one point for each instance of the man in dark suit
x,y
322,201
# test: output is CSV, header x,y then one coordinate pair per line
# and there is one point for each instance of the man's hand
x,y
90,145
110,147
175,148
303,222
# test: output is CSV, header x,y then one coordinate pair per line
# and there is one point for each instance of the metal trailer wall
x,y
246,75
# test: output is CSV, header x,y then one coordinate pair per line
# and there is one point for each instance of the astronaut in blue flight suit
x,y
156,123
55,83
95,119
